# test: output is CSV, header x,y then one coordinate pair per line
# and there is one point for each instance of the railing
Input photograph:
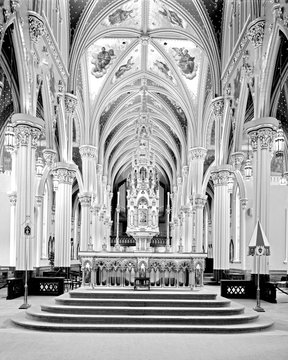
x,y
123,241
163,269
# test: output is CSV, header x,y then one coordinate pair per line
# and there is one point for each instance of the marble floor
x,y
21,344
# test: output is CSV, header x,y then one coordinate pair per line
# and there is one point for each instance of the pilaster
x,y
85,201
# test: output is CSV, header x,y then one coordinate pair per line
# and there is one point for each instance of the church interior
x,y
143,145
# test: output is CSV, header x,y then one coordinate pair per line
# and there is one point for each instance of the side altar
x,y
120,269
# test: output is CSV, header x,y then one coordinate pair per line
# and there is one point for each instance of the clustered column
x,y
63,175
261,133
221,219
27,130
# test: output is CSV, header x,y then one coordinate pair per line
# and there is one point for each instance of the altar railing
x,y
120,269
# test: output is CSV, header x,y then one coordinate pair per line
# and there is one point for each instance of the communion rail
x,y
121,269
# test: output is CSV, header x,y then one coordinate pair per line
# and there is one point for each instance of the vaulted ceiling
x,y
143,58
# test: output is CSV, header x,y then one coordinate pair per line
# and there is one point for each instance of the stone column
x,y
70,105
200,202
27,131
13,200
39,237
89,158
63,174
197,157
221,219
85,201
261,133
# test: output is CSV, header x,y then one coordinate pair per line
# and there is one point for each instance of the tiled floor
x,y
20,344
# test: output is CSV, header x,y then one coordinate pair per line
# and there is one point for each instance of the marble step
x,y
38,315
130,293
259,325
128,310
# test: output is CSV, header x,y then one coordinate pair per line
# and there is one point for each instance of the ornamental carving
x,y
39,200
36,28
237,159
70,103
49,156
99,169
218,106
23,133
197,153
200,202
64,176
85,199
13,198
265,137
220,177
185,170
256,33
88,151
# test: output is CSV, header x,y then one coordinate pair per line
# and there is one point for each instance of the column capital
x,y
49,156
12,198
185,170
99,169
200,201
221,174
70,103
39,200
237,159
197,153
256,32
64,173
25,127
262,131
85,199
218,106
88,151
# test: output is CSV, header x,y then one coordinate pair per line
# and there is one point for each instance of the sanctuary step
x,y
115,310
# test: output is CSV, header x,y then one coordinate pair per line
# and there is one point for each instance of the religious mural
x,y
163,68
101,61
186,62
172,16
119,15
123,68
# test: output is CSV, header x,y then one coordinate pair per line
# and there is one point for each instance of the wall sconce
x,y
9,140
230,183
279,142
248,169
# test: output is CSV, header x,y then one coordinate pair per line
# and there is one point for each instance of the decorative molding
x,y
197,153
88,151
39,200
49,156
200,201
218,106
256,32
237,159
36,28
263,136
25,132
85,199
220,176
64,174
70,103
12,198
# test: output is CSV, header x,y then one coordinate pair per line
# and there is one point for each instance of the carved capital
x,y
49,156
99,169
36,28
25,133
218,106
85,199
64,173
237,159
256,32
12,198
185,170
244,203
264,137
197,153
39,200
70,103
88,151
221,175
200,201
